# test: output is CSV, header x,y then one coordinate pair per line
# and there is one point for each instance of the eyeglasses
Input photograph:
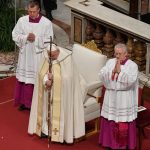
x,y
119,54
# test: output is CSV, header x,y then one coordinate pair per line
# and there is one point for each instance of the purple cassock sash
x,y
120,133
121,130
36,20
123,62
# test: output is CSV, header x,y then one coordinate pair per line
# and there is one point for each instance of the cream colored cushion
x,y
91,109
89,63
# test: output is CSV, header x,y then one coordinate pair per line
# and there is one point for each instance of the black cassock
x,y
50,5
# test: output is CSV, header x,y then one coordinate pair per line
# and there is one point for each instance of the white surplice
x,y
72,123
30,53
121,95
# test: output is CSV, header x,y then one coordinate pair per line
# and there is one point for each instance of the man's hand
x,y
118,69
49,82
50,76
31,37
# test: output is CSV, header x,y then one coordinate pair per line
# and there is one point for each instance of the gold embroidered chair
x,y
89,63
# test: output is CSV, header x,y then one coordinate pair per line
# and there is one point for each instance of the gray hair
x,y
33,3
121,46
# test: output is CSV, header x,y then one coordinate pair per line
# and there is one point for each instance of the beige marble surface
x,y
112,18
91,2
121,5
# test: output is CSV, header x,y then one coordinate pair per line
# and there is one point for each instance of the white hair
x,y
121,46
53,48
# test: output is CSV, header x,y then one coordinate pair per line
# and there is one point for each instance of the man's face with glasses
x,y
120,54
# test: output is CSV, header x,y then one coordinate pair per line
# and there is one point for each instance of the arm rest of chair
x,y
94,85
98,99
95,89
91,95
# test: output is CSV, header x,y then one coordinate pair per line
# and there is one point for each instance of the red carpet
x,y
13,128
7,89
13,133
14,124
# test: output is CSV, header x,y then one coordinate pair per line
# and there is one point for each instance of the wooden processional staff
x,y
49,94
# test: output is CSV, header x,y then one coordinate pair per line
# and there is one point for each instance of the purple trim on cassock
x,y
107,137
23,94
36,20
123,62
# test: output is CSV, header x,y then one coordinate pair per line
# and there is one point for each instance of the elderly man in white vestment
x,y
119,109
30,34
67,111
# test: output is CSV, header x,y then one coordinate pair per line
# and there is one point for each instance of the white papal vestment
x,y
72,94
121,97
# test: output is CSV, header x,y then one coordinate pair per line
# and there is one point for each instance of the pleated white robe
x,y
30,53
121,95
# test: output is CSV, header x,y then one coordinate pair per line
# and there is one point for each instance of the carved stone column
x,y
98,36
118,39
89,31
108,48
130,48
140,51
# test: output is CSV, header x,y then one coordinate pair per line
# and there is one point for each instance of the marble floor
x,y
62,19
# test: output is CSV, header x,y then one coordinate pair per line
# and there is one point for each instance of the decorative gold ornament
x,y
91,45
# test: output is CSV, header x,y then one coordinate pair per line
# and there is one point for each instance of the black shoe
x,y
43,135
107,148
22,107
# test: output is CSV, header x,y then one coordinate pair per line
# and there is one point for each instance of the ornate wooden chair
x,y
143,119
89,63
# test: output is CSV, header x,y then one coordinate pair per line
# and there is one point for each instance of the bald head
x,y
54,52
